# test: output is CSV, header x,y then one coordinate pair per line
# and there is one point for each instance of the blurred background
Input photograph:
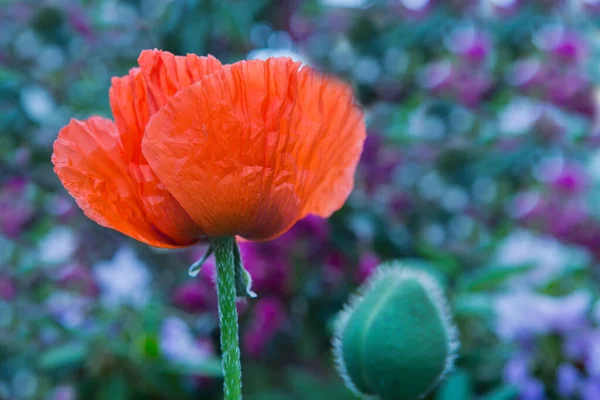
x,y
482,166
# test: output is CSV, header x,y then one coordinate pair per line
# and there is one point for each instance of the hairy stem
x,y
228,318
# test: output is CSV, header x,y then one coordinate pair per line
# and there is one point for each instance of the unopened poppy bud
x,y
394,340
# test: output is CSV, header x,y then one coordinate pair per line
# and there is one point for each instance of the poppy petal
x,y
255,147
129,104
166,73
334,131
90,162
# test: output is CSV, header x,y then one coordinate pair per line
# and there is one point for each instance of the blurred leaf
x,y
492,277
458,386
150,346
274,395
208,368
114,388
502,393
307,386
475,305
63,356
446,262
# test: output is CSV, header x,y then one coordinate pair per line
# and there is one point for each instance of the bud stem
x,y
228,318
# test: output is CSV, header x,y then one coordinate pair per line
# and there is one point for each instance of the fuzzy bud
x,y
394,340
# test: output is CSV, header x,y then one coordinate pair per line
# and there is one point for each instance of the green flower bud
x,y
394,340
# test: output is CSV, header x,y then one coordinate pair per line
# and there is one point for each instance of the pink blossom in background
x,y
572,179
568,46
267,319
15,208
366,266
78,278
526,73
334,269
436,76
7,288
195,296
270,273
472,45
307,237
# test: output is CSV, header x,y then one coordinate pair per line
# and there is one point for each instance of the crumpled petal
x,y
253,147
166,73
129,104
90,161
101,164
334,132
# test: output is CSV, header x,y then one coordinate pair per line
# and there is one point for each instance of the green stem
x,y
228,318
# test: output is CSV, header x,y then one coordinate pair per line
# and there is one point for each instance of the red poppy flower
x,y
200,149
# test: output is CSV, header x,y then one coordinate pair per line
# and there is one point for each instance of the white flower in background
x,y
68,308
124,280
345,3
58,246
415,5
548,256
178,344
519,116
263,54
593,166
526,313
37,103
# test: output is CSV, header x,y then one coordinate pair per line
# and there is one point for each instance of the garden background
x,y
482,166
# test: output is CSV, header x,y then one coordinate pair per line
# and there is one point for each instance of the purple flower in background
x,y
378,163
533,389
79,278
590,390
562,44
68,308
571,48
571,180
267,319
195,296
552,314
7,288
307,236
591,353
526,73
471,86
504,8
592,6
551,124
517,373
313,227
270,273
80,22
15,207
547,257
62,207
472,45
575,344
63,392
516,370
334,269
570,89
567,380
367,264
178,344
436,76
